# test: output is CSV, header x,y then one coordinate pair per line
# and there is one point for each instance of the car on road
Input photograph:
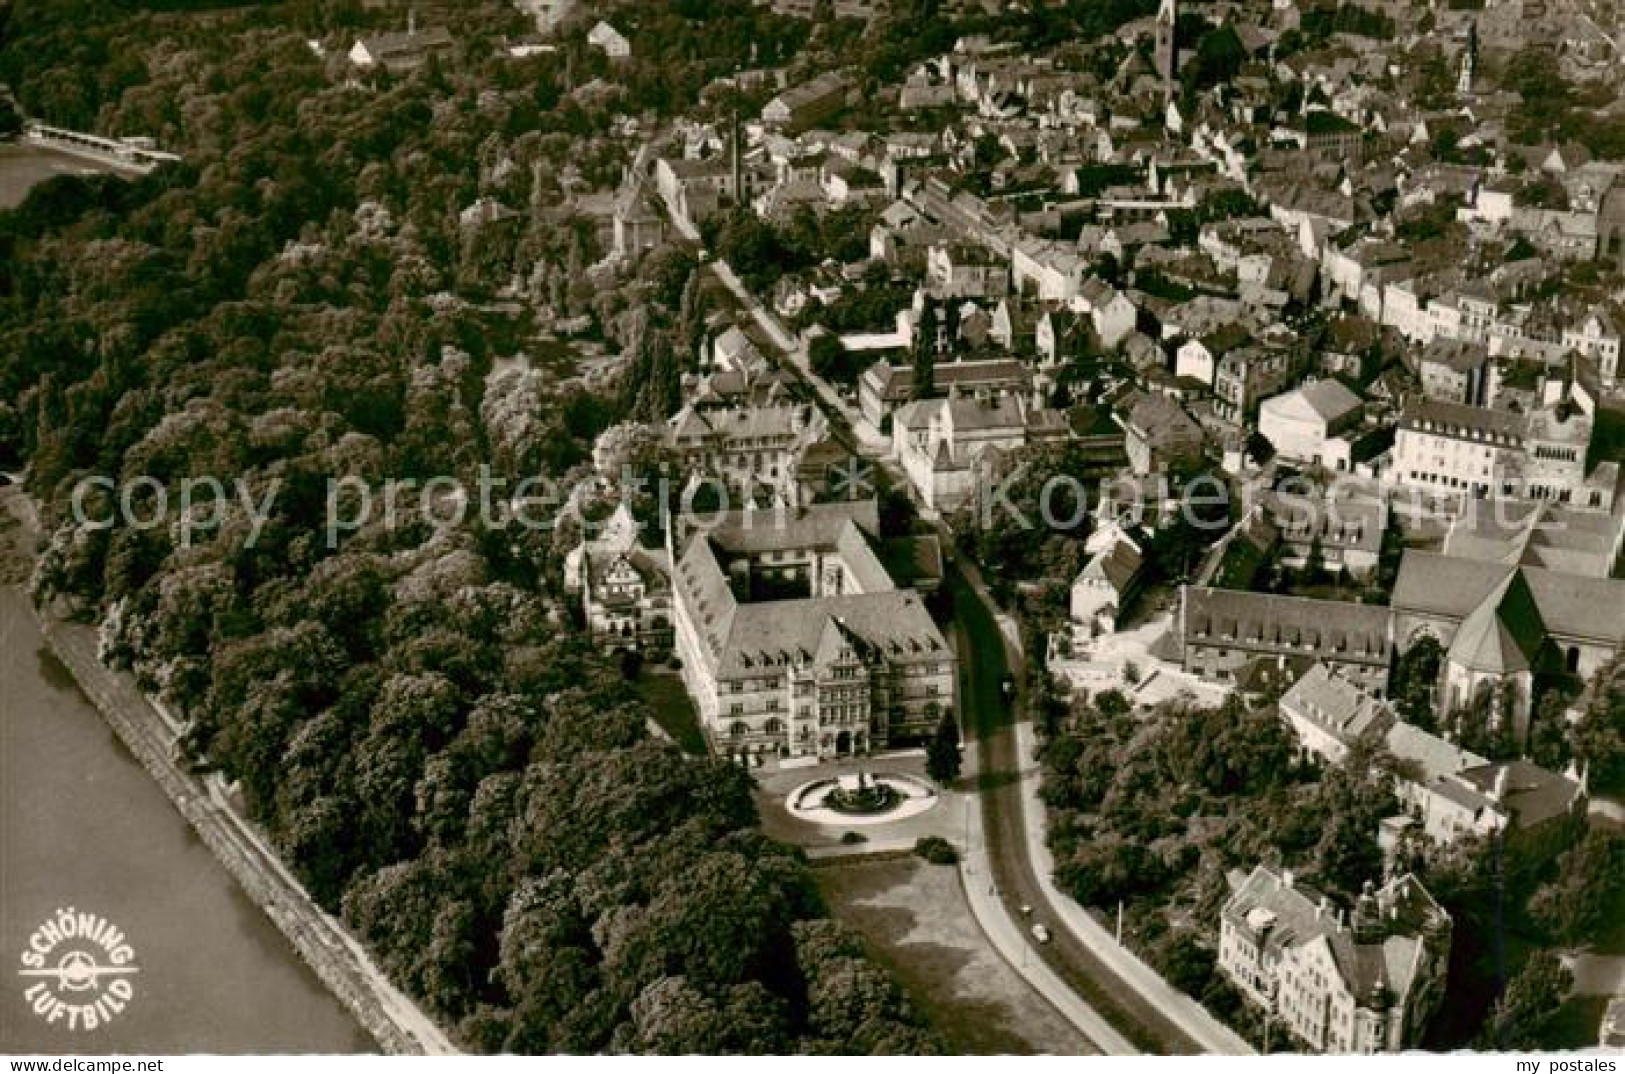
x,y
1041,934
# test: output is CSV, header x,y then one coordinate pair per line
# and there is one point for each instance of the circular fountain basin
x,y
838,800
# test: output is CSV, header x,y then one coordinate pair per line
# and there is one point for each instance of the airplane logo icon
x,y
77,971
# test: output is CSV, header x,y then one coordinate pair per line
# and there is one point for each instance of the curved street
x,y
991,719
1136,1006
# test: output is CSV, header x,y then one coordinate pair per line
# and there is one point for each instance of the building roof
x,y
1325,401
895,383
813,90
1458,355
964,415
1236,558
1461,421
1529,794
1336,705
1275,910
1568,605
1537,534
740,639
1157,419
1504,633
777,421
1118,566
734,349
1433,756
912,561
1226,338
1349,523
650,566
814,526
391,45
771,633
1331,629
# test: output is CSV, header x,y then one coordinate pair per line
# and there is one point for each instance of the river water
x,y
82,825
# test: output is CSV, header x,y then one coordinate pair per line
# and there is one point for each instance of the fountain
x,y
861,798
861,795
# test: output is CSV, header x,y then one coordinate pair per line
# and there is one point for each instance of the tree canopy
x,y
410,713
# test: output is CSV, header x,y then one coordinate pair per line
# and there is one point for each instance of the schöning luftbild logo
x,y
78,968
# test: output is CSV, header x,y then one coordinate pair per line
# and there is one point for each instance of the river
x,y
82,825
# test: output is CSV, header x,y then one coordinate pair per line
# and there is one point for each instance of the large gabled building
x,y
808,104
1224,631
796,642
1455,452
1311,424
399,53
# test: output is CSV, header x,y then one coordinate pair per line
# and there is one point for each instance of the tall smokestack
x,y
738,157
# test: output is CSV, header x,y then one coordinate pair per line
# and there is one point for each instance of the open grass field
x,y
917,924
671,708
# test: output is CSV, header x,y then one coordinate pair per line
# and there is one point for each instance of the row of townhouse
x,y
1383,280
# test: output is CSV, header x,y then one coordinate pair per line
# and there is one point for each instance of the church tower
x,y
1167,47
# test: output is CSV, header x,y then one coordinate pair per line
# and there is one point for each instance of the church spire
x,y
1167,46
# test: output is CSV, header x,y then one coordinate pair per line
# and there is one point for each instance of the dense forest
x,y
408,712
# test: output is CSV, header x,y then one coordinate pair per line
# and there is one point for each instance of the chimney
x,y
1502,776
1287,879
1323,908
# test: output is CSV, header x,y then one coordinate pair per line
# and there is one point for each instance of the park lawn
x,y
916,923
671,708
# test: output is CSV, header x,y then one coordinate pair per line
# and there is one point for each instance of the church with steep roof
x,y
1504,624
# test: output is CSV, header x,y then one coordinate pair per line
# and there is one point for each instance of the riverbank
x,y
24,166
339,961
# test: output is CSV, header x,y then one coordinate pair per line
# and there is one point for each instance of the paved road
x,y
1099,994
992,720
795,358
